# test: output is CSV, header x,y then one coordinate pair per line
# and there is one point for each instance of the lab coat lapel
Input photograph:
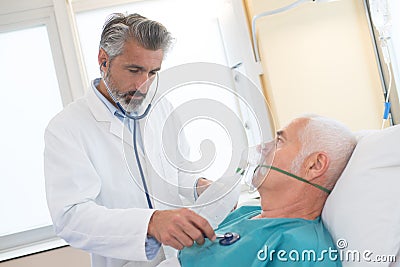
x,y
102,114
149,132
117,128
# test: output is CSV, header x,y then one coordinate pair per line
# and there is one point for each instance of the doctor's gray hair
x,y
120,28
329,136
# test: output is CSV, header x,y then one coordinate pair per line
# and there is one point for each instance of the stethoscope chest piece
x,y
228,238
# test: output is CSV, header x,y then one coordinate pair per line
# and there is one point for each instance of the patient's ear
x,y
316,165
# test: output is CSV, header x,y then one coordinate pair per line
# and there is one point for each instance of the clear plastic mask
x,y
256,163
253,164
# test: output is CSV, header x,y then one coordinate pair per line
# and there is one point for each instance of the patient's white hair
x,y
329,136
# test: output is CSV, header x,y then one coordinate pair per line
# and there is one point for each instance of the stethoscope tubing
x,y
146,191
135,119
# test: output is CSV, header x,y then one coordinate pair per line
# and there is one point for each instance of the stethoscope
x,y
228,238
135,118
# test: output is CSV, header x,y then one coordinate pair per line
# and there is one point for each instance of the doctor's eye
x,y
134,70
152,73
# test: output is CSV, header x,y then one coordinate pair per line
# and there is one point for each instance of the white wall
x,y
319,58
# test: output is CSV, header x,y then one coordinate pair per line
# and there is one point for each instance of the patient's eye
x,y
279,140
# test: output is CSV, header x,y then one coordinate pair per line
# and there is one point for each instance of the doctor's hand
x,y
179,228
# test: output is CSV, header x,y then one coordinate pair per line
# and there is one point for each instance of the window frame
x,y
23,14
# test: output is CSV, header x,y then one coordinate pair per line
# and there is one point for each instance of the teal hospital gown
x,y
266,242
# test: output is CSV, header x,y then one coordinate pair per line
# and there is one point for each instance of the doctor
x,y
94,201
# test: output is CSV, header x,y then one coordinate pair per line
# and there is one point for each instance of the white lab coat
x,y
94,202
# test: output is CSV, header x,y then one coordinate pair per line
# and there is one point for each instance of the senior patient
x,y
310,154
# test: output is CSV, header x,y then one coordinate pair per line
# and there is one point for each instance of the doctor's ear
x,y
102,58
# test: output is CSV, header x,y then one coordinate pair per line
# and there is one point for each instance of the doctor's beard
x,y
126,99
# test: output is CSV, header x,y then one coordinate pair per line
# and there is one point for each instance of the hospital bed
x,y
363,211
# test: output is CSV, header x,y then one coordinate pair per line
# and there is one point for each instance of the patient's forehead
x,y
292,130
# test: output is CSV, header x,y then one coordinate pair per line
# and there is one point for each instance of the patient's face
x,y
287,148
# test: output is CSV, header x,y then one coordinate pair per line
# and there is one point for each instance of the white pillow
x,y
363,211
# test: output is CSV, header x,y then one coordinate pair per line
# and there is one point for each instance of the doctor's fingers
x,y
185,232
191,231
198,227
186,223
183,238
175,243
173,228
165,223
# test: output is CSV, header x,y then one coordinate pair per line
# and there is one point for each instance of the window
x,y
193,24
31,97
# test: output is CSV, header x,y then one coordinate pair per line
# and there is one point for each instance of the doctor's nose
x,y
143,83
